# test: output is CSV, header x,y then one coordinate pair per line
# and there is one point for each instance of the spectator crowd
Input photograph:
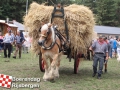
x,y
10,41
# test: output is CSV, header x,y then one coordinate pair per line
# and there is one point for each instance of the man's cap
x,y
105,38
101,36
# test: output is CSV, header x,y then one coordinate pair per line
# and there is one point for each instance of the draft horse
x,y
52,44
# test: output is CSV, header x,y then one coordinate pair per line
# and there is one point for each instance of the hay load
x,y
80,22
79,19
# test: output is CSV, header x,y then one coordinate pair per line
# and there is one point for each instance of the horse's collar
x,y
50,47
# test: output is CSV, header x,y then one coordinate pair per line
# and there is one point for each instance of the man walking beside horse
x,y
100,50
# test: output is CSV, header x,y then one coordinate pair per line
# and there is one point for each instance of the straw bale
x,y
80,22
37,15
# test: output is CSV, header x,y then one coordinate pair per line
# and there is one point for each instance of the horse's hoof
x,y
52,80
56,76
45,80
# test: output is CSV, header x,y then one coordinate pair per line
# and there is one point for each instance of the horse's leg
x,y
56,73
50,64
57,64
45,77
53,67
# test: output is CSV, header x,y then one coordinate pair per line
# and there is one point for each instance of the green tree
x,y
118,14
64,2
14,9
79,2
1,10
91,4
106,12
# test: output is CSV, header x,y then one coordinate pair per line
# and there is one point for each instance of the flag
x,y
5,81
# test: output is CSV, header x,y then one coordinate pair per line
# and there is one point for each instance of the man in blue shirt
x,y
114,47
111,46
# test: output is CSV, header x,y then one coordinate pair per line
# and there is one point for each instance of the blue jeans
x,y
1,48
110,52
98,58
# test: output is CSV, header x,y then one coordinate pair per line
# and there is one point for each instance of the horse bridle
x,y
58,34
46,38
47,32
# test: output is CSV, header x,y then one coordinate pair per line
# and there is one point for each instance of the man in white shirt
x,y
8,41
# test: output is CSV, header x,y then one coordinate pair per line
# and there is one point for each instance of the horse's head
x,y
45,33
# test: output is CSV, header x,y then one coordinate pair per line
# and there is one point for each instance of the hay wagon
x,y
58,12
75,22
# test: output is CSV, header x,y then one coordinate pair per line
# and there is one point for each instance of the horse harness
x,y
62,17
57,33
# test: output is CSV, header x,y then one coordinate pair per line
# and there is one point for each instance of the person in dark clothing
x,y
105,61
99,48
8,41
1,42
22,36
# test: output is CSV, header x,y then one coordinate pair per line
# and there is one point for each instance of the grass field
x,y
28,67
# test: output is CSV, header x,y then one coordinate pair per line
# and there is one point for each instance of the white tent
x,y
19,25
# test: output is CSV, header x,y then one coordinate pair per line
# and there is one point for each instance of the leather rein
x,y
58,34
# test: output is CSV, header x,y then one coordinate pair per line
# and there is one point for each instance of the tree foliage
x,y
14,9
118,14
107,12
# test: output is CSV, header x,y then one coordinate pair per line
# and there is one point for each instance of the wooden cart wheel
x,y
41,63
76,62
